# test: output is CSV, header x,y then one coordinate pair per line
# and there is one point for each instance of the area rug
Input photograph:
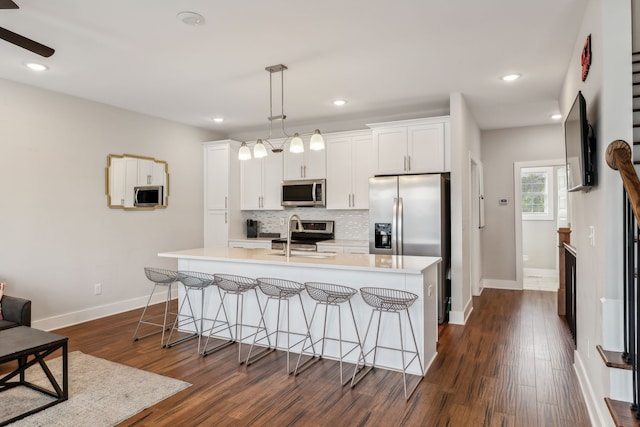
x,y
101,393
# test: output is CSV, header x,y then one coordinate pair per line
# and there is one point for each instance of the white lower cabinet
x,y
342,249
258,244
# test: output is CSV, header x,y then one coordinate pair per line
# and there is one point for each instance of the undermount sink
x,y
306,254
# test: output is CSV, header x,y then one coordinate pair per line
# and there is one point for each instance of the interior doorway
x,y
540,208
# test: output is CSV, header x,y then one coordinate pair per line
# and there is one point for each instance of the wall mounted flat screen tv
x,y
580,147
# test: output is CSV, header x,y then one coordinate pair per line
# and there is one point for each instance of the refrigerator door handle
x,y
399,227
394,228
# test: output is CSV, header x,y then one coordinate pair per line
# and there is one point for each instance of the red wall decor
x,y
585,58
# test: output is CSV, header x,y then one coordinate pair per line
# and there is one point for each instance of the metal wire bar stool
x,y
238,286
279,290
328,294
389,301
164,278
194,281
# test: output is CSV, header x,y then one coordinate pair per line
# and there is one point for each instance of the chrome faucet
x,y
289,231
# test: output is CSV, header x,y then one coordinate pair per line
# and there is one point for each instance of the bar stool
x,y
238,286
194,281
279,290
328,294
389,301
164,278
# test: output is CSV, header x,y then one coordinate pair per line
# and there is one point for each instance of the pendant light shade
x,y
244,153
296,144
259,151
317,141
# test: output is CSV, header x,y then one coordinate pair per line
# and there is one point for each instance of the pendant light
x,y
296,144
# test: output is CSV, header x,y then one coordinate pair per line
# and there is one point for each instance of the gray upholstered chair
x,y
15,312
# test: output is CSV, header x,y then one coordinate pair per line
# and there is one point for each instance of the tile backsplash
x,y
349,224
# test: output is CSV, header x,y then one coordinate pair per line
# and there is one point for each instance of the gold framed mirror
x,y
136,182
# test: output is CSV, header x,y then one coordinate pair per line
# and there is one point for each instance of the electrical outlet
x,y
97,288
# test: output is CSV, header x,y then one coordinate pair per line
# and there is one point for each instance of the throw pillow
x,y
2,285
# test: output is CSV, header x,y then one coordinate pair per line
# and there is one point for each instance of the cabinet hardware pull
x,y
225,202
409,162
305,171
225,217
405,163
301,172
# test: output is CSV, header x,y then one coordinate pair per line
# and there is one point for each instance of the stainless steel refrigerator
x,y
410,215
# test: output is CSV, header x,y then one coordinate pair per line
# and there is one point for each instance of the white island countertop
x,y
352,262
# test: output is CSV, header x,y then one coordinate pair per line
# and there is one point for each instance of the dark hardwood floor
x,y
511,365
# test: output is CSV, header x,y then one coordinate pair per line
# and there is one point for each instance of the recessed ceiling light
x,y
217,119
339,102
510,77
556,116
191,18
35,66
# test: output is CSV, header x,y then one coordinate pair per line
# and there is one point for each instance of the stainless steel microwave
x,y
148,196
307,192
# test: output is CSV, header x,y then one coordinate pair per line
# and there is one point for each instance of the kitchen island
x,y
418,275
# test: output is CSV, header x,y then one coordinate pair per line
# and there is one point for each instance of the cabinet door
x,y
117,181
315,163
339,172
356,249
145,172
426,148
131,180
216,229
271,179
251,184
217,181
390,150
159,175
312,164
293,165
363,162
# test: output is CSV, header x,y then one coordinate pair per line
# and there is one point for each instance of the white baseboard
x,y
591,400
501,284
540,272
461,317
73,318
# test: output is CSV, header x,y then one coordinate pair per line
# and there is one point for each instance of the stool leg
x,y
359,343
375,349
297,370
164,324
176,323
213,329
415,343
269,349
362,356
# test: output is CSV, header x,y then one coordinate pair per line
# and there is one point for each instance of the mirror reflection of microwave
x,y
148,195
304,192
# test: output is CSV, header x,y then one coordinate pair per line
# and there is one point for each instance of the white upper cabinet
x,y
308,165
411,146
350,164
260,183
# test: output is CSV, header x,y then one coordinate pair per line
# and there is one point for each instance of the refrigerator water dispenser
x,y
383,235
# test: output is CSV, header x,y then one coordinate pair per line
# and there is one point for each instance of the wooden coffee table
x,y
29,347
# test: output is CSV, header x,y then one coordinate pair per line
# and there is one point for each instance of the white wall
x,y
465,144
500,150
58,237
607,91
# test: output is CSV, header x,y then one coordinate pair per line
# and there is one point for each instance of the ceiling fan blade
x,y
26,43
8,4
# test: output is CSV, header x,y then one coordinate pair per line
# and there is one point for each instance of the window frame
x,y
549,215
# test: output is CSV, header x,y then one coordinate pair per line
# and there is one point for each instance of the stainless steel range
x,y
305,240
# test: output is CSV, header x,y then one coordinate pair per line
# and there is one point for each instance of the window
x,y
536,185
